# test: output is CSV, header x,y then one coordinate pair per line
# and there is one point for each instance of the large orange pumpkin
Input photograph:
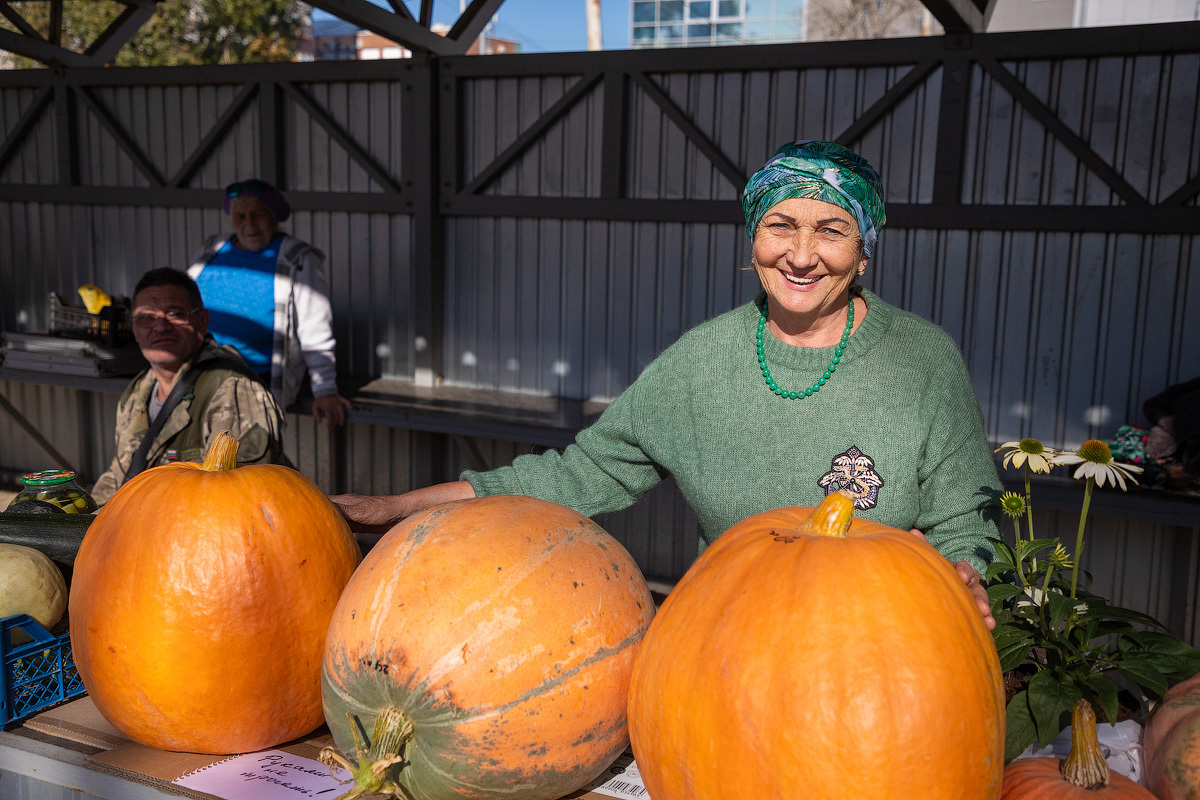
x,y
1083,775
200,601
809,655
1171,743
484,649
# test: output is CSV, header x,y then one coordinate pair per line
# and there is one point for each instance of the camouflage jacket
x,y
238,403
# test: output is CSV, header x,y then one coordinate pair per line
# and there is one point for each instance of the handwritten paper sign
x,y
269,775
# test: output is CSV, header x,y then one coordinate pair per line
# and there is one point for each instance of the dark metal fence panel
x,y
550,223
1065,334
577,309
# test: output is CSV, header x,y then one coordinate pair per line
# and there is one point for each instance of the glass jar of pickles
x,y
50,491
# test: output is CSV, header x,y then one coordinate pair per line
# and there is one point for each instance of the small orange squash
x,y
1171,743
200,600
1083,775
483,649
810,655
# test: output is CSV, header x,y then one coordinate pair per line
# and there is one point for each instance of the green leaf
x,y
1014,655
1004,635
1159,643
1061,607
1019,728
1026,550
1004,554
999,592
1144,674
1106,690
1051,700
1103,612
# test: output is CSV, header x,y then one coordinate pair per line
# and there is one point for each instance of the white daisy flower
x,y
1095,460
1037,597
1040,457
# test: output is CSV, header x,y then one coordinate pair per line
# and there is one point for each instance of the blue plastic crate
x,y
38,674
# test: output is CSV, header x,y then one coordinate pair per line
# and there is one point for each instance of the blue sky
x,y
542,25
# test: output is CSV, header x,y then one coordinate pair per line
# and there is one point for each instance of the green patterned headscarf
x,y
819,171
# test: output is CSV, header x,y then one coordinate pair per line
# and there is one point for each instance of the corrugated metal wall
x,y
1065,332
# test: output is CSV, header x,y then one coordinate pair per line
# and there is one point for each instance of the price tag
x,y
622,779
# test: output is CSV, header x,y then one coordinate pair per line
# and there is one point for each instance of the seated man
x,y
193,389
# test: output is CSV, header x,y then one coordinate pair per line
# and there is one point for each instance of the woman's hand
x,y
377,514
971,577
368,513
331,410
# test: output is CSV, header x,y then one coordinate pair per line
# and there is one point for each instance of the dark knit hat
x,y
271,197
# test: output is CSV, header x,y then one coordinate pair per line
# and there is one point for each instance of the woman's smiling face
x,y
807,253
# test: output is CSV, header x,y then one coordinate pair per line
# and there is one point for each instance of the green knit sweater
x,y
898,424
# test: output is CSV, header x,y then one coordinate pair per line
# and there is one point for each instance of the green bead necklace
x,y
816,387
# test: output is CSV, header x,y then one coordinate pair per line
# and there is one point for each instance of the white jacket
x,y
303,318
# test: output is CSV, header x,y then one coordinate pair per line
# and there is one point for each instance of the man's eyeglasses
x,y
147,320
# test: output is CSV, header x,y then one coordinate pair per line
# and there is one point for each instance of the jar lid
x,y
47,477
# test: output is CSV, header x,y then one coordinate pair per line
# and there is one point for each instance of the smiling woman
x,y
814,387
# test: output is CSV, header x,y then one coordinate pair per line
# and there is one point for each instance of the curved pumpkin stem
x,y
832,517
391,733
222,453
1085,766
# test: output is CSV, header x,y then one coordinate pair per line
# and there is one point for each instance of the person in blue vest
x,y
267,294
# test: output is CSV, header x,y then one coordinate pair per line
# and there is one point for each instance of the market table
x,y
71,753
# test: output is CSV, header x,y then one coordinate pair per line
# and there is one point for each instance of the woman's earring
x,y
861,270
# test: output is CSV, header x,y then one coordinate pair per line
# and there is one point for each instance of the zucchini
x,y
56,535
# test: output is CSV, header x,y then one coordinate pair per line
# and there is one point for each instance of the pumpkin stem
x,y
832,517
222,453
1085,766
371,774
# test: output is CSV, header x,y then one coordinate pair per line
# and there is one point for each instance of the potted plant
x,y
1058,642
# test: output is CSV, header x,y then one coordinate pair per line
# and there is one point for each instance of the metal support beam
x,y
392,26
952,128
962,16
531,134
339,135
41,50
472,22
614,145
695,136
18,135
65,135
136,14
18,21
33,433
420,134
886,104
121,137
270,134
31,44
1073,141
214,136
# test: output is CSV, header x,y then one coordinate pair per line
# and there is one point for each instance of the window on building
x,y
758,29
670,31
700,9
729,8
670,10
392,52
703,31
643,12
369,54
730,30
643,33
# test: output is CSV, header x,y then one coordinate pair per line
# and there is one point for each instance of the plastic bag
x,y
1120,743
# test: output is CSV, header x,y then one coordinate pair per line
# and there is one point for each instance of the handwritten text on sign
x,y
269,775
